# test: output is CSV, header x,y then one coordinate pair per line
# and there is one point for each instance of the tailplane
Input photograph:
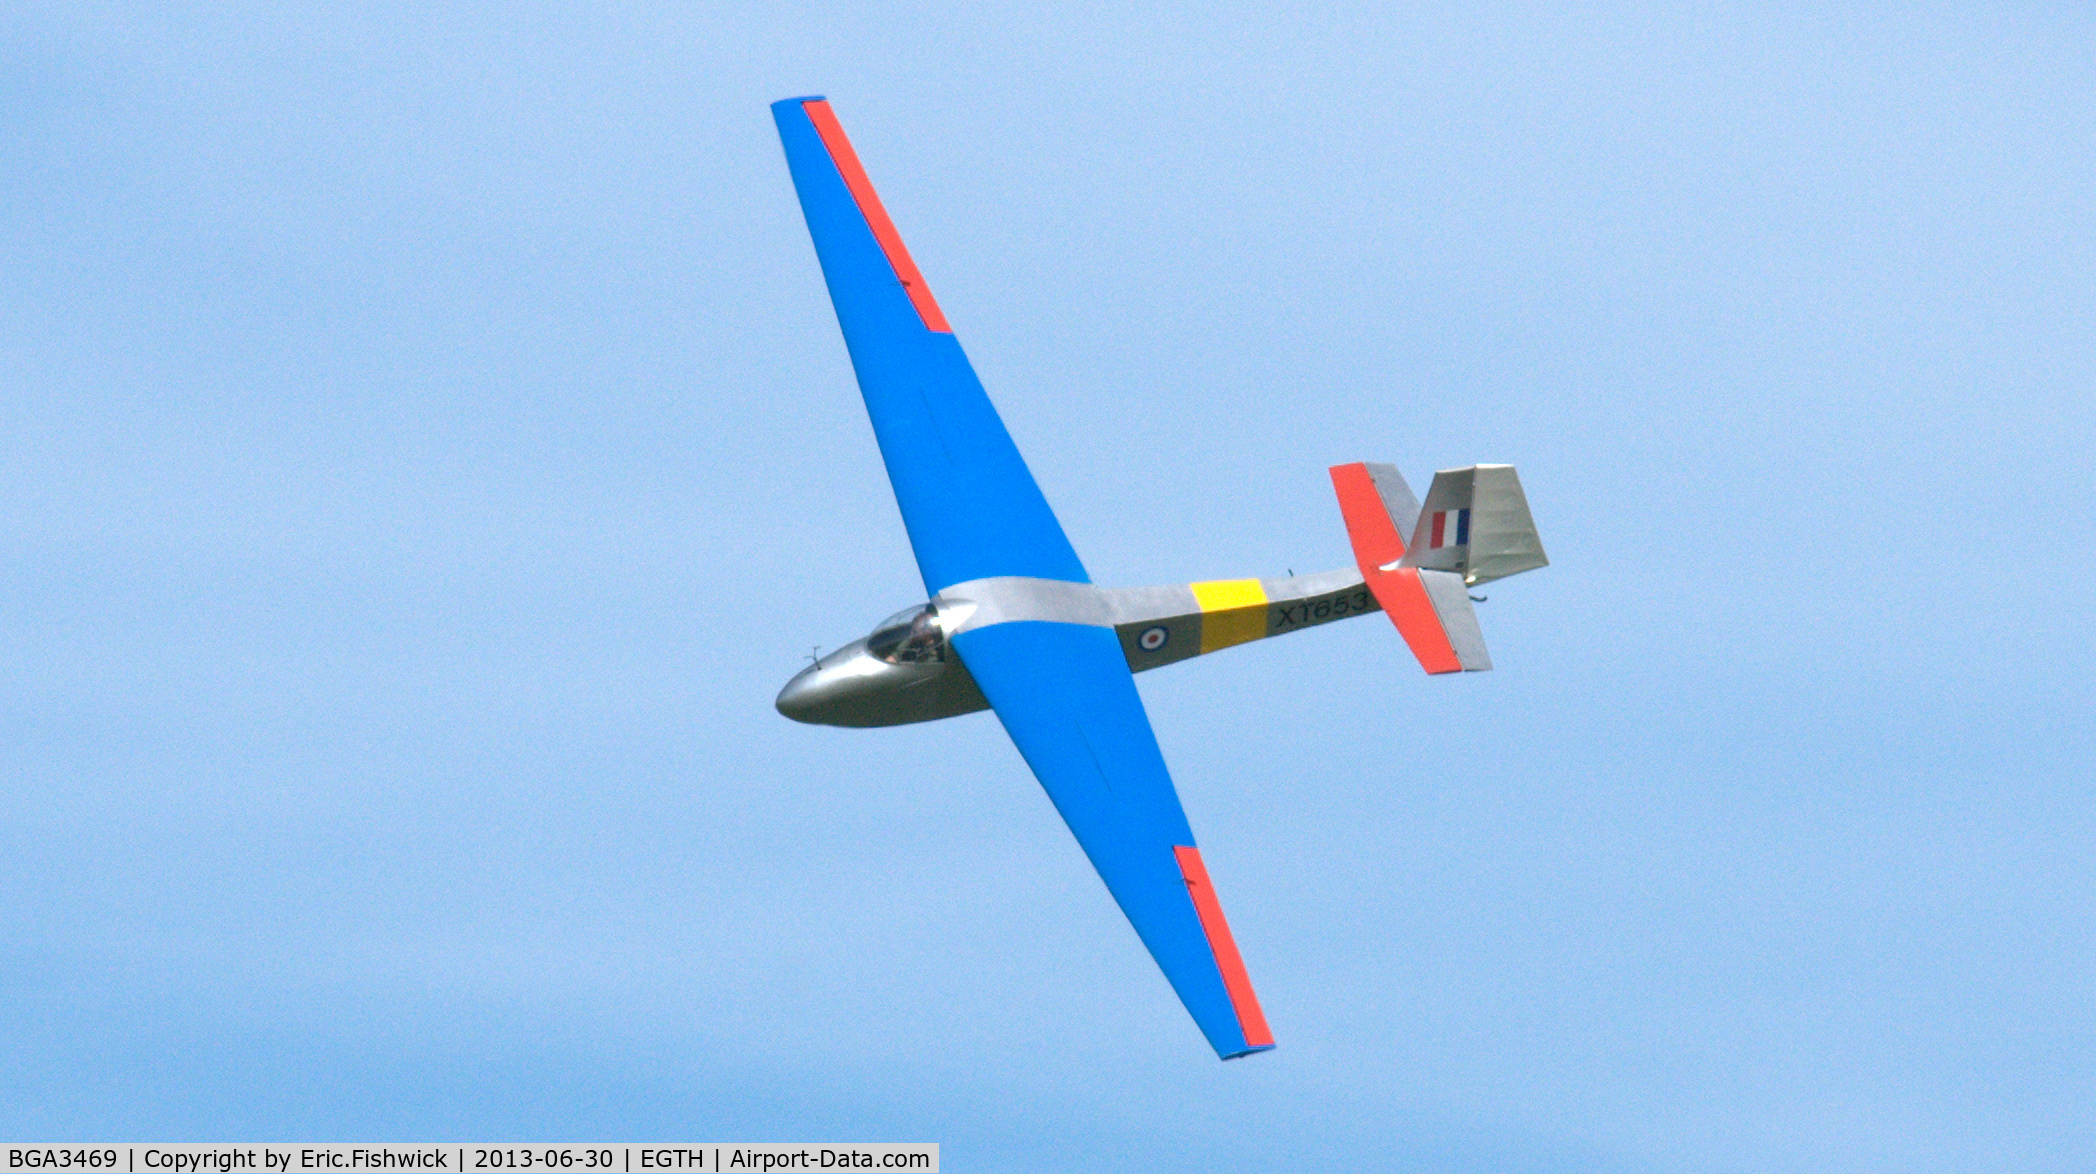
x,y
1474,527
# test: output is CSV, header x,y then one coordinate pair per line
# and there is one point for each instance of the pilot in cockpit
x,y
914,636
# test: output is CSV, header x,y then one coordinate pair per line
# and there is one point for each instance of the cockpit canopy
x,y
911,636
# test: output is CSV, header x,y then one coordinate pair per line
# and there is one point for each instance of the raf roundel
x,y
1153,639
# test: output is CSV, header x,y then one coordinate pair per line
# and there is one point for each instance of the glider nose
x,y
833,690
802,698
853,687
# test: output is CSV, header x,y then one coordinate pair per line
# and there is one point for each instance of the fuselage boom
x,y
907,670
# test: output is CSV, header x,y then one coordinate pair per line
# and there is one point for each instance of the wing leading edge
x,y
1065,696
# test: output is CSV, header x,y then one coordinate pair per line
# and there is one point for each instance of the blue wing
x,y
973,511
967,499
1066,698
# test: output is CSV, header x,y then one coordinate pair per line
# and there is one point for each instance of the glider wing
x,y
974,514
1065,696
970,504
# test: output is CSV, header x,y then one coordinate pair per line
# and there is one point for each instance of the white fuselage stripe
x,y
1011,599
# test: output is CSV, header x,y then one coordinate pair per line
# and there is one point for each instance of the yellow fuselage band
x,y
1232,612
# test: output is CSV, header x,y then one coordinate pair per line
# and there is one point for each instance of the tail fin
x,y
1476,524
1429,605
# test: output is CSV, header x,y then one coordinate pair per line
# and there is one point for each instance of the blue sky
x,y
426,446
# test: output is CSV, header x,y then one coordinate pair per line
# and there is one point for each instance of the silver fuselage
x,y
908,670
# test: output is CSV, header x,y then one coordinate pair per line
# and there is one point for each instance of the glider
x,y
1015,625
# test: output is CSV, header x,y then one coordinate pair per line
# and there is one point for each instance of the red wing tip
x,y
1229,963
853,173
1249,1052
